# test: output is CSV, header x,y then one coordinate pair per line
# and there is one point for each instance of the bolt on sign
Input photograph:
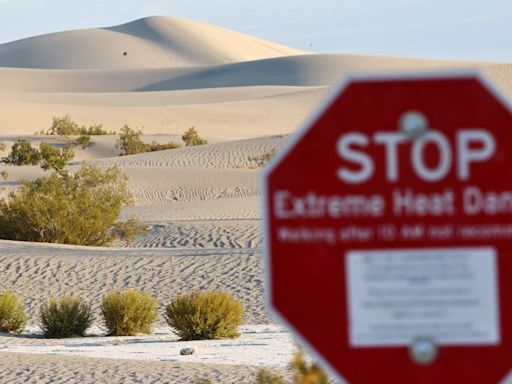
x,y
389,231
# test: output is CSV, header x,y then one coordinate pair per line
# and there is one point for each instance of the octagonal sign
x,y
389,231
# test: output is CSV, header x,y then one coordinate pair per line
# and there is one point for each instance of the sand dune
x,y
146,43
230,154
237,119
154,185
297,70
304,70
38,272
235,208
234,100
211,233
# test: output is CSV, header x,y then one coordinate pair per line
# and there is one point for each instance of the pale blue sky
x,y
451,29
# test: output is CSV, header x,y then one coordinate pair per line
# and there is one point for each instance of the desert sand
x,y
36,368
202,204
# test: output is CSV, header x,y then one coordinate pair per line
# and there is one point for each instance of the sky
x,y
443,29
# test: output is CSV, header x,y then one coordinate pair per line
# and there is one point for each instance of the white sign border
x,y
297,136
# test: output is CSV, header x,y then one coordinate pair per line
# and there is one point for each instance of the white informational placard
x,y
447,295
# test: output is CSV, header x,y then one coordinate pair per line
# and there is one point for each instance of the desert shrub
x,y
12,313
64,126
22,153
302,371
84,141
80,208
154,146
96,130
2,146
267,377
129,141
262,159
307,373
67,317
55,158
128,313
205,315
191,138
4,174
128,230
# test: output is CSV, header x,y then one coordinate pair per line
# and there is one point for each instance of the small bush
x,y
12,313
84,141
80,208
96,130
22,153
55,158
154,146
128,230
129,141
191,138
2,146
4,174
128,313
205,315
64,126
65,318
307,373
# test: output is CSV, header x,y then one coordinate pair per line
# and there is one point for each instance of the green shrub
x,y
84,141
12,313
307,373
96,130
128,230
129,141
80,208
205,315
55,158
191,138
22,153
154,146
64,126
128,313
67,317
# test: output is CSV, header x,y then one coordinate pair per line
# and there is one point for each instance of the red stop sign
x,y
389,231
